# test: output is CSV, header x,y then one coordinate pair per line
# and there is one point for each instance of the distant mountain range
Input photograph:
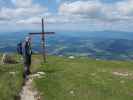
x,y
110,45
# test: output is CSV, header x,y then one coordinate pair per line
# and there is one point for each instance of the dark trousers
x,y
27,63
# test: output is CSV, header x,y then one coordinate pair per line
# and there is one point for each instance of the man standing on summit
x,y
27,52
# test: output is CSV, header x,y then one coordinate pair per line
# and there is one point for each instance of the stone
x,y
8,59
120,74
36,75
12,73
41,73
71,92
71,57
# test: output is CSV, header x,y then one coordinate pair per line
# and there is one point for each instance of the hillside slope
x,y
11,80
83,79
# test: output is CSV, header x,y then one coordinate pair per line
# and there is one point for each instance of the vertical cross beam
x,y
43,42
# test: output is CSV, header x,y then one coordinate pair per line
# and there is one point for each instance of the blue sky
x,y
66,15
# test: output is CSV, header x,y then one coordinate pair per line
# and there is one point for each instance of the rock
x,y
120,74
8,59
60,55
36,75
28,93
72,93
71,57
97,59
41,73
12,73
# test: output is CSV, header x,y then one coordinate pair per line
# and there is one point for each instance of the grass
x,y
83,79
10,82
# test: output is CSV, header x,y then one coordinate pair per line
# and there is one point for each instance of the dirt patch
x,y
121,74
28,93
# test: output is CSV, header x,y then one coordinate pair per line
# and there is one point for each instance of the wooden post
x,y
43,40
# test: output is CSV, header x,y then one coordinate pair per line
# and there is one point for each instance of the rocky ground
x,y
28,92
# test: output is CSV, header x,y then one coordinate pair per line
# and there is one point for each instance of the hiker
x,y
26,53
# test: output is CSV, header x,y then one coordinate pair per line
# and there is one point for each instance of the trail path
x,y
27,92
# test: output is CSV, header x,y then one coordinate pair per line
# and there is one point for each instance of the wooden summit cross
x,y
43,39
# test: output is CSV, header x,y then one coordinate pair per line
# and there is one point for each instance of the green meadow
x,y
10,80
71,79
83,79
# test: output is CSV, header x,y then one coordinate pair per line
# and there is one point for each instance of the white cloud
x,y
11,13
125,7
49,19
81,7
122,10
22,9
22,3
82,12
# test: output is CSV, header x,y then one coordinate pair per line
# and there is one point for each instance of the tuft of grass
x,y
83,79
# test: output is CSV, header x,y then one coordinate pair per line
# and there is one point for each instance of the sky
x,y
66,15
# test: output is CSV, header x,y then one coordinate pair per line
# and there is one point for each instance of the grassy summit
x,y
83,79
71,79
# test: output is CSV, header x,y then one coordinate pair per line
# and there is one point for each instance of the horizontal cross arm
x,y
49,32
35,33
42,33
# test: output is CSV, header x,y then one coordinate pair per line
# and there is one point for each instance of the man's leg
x,y
28,70
29,64
25,71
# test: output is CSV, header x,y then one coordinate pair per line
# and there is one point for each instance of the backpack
x,y
19,48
